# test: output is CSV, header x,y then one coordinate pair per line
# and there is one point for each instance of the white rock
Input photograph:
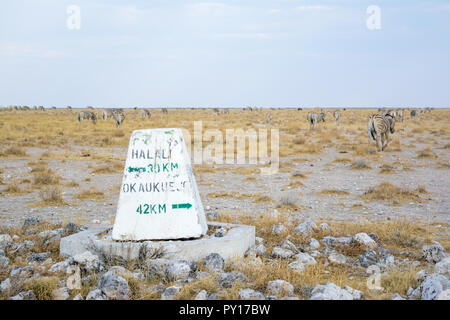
x,y
280,288
330,291
6,238
433,285
170,293
444,295
5,286
443,267
324,227
335,257
364,240
279,229
314,244
357,295
306,228
202,295
297,266
96,295
61,294
88,261
433,253
305,258
278,252
250,294
78,297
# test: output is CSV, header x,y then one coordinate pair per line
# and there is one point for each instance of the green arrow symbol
x,y
182,206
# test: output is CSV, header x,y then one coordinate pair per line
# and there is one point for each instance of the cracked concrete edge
x,y
234,243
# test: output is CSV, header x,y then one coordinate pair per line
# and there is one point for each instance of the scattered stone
x,y
61,294
70,228
443,267
367,259
201,275
24,295
226,279
330,291
31,221
250,294
335,257
156,267
202,295
305,258
214,262
324,227
356,294
213,215
387,261
396,296
279,252
433,285
5,287
221,232
364,240
433,253
314,244
50,237
279,229
420,276
170,293
88,262
4,261
96,295
23,273
297,266
260,250
180,268
332,241
114,287
78,297
444,295
38,257
288,245
61,267
280,288
384,252
6,239
259,240
306,228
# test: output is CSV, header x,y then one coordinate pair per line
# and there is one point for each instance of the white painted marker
x,y
159,199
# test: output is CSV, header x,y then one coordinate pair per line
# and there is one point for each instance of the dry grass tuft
x,y
393,194
90,194
360,164
51,196
426,153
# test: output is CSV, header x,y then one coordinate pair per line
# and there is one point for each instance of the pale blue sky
x,y
225,53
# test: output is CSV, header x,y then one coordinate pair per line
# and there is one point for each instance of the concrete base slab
x,y
237,240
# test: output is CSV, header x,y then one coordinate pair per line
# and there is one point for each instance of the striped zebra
x,y
414,113
118,117
164,110
87,115
378,129
145,113
314,118
337,115
107,114
269,118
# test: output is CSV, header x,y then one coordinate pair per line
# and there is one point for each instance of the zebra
x,y
314,118
118,117
337,115
145,113
414,113
107,114
269,118
164,110
398,115
87,115
378,128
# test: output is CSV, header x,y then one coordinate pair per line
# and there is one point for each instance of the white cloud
x,y
208,8
313,8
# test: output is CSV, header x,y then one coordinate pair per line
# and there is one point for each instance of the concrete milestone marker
x,y
159,199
